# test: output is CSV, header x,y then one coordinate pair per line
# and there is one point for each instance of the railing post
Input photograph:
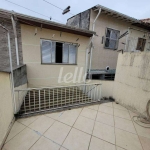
x,y
57,97
100,92
44,100
24,105
39,101
29,101
34,100
53,98
49,98
65,96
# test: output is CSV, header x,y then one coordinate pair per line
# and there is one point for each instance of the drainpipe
x,y
16,41
93,28
11,69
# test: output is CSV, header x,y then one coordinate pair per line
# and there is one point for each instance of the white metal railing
x,y
33,100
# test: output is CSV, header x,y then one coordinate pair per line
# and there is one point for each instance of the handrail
x,y
35,100
28,89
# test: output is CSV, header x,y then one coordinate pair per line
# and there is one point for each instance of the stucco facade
x,y
6,105
132,81
101,56
39,74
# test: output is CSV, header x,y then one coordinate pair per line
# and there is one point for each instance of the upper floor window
x,y
141,44
111,41
58,52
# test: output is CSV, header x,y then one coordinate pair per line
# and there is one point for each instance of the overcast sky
x,y
138,9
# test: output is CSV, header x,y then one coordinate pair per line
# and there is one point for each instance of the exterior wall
x,y
19,96
106,88
106,57
38,74
4,54
81,20
132,81
6,105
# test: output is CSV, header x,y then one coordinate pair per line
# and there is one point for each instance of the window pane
x,y
107,43
46,51
108,33
113,44
72,54
114,34
53,51
65,53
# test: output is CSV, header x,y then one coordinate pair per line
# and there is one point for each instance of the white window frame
x,y
62,52
117,40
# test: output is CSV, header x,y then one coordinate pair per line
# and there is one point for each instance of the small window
x,y
141,44
58,52
111,41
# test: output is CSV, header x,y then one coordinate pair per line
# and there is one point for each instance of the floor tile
x,y
109,104
122,114
45,144
105,118
127,140
106,109
89,113
117,106
77,140
132,114
98,144
124,124
23,141
17,127
57,132
142,131
145,142
54,115
84,124
94,107
69,117
119,148
104,132
41,124
28,121
62,148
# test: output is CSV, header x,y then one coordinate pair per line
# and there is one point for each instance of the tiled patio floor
x,y
99,127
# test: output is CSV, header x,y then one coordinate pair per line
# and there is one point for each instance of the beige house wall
x,y
106,57
40,75
19,96
132,81
6,105
106,87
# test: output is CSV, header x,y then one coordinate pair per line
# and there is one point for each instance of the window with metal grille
x,y
111,40
141,44
58,52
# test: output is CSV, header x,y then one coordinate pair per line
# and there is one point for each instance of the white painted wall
x,y
6,105
19,96
132,81
106,88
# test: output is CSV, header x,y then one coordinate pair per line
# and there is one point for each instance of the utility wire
x,y
31,10
55,6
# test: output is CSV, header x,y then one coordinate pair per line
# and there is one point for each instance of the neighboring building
x,y
109,26
45,47
146,20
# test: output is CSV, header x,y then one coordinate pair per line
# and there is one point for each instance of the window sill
x,y
58,64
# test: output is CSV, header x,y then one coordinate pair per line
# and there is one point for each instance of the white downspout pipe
x,y
93,28
16,41
86,60
11,69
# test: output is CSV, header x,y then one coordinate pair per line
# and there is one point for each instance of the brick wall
x,y
4,54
